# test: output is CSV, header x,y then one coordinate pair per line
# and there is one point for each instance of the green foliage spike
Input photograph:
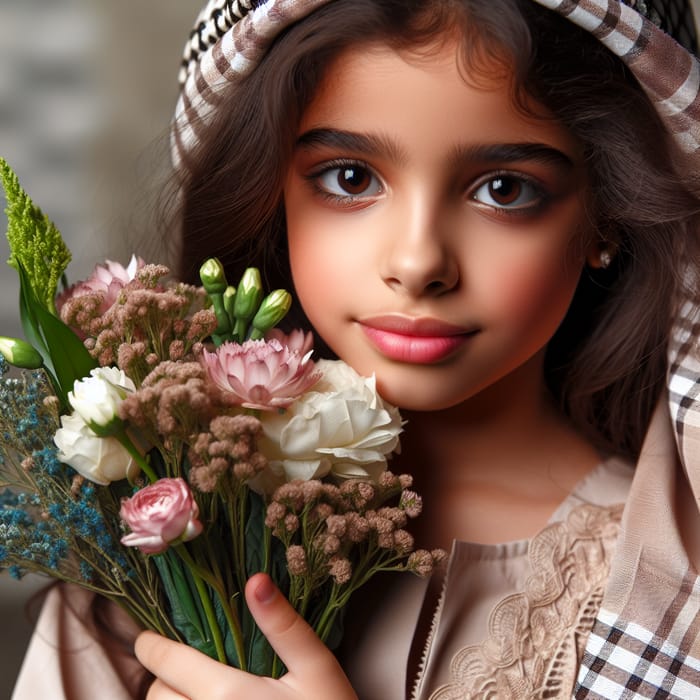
x,y
40,257
35,243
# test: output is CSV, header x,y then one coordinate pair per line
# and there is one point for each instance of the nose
x,y
420,259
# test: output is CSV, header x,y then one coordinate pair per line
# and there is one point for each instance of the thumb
x,y
303,653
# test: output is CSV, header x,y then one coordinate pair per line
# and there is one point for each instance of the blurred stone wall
x,y
86,91
87,88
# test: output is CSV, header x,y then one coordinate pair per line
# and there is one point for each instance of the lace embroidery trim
x,y
537,637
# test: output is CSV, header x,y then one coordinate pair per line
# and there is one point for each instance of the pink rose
x,y
159,515
264,374
108,279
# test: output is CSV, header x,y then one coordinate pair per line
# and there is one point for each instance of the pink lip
x,y
414,340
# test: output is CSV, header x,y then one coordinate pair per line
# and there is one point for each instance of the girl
x,y
479,202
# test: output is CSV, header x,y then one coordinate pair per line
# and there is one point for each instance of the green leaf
x,y
65,356
254,534
186,612
260,653
35,242
261,656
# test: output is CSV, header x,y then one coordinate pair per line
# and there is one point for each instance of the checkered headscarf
x,y
230,37
646,639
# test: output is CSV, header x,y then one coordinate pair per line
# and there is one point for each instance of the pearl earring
x,y
605,258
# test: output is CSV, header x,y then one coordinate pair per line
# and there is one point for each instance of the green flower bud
x,y
272,310
248,295
229,300
20,353
213,276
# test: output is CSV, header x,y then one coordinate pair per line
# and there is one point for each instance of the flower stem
x,y
222,317
325,623
235,628
136,456
240,329
267,549
206,602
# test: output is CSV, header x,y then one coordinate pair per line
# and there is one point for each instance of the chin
x,y
416,398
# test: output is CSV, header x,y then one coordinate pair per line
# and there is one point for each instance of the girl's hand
x,y
185,673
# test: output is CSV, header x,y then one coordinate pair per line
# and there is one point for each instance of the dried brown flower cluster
x,y
150,321
229,448
172,402
344,534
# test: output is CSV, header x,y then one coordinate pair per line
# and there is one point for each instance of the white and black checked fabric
x,y
217,17
212,63
624,660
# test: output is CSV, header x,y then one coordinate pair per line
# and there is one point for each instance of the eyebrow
x,y
383,145
367,144
513,153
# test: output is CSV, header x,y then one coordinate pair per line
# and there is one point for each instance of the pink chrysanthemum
x,y
108,280
296,341
262,374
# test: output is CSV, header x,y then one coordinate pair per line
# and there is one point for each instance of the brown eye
x,y
351,180
505,190
509,192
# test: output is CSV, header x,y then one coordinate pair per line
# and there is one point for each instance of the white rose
x,y
99,459
97,397
342,426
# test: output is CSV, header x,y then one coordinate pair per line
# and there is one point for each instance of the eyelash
x,y
540,194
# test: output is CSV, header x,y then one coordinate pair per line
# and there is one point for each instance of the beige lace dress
x,y
506,621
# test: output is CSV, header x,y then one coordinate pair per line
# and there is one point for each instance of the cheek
x,y
533,289
309,245
307,266
322,276
308,257
328,260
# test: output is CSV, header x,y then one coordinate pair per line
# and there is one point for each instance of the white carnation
x,y
97,397
99,459
342,426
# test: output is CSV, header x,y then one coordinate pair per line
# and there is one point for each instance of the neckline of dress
x,y
610,470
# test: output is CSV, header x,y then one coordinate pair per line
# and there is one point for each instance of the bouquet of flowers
x,y
162,442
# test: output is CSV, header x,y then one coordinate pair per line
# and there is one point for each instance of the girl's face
x,y
434,231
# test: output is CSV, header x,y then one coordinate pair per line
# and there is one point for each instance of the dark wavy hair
x,y
606,364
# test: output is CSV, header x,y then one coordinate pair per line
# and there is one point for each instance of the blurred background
x,y
87,88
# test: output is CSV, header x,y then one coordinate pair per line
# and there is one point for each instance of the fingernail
x,y
265,590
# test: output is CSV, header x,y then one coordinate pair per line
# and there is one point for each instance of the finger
x,y
182,668
295,642
160,691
